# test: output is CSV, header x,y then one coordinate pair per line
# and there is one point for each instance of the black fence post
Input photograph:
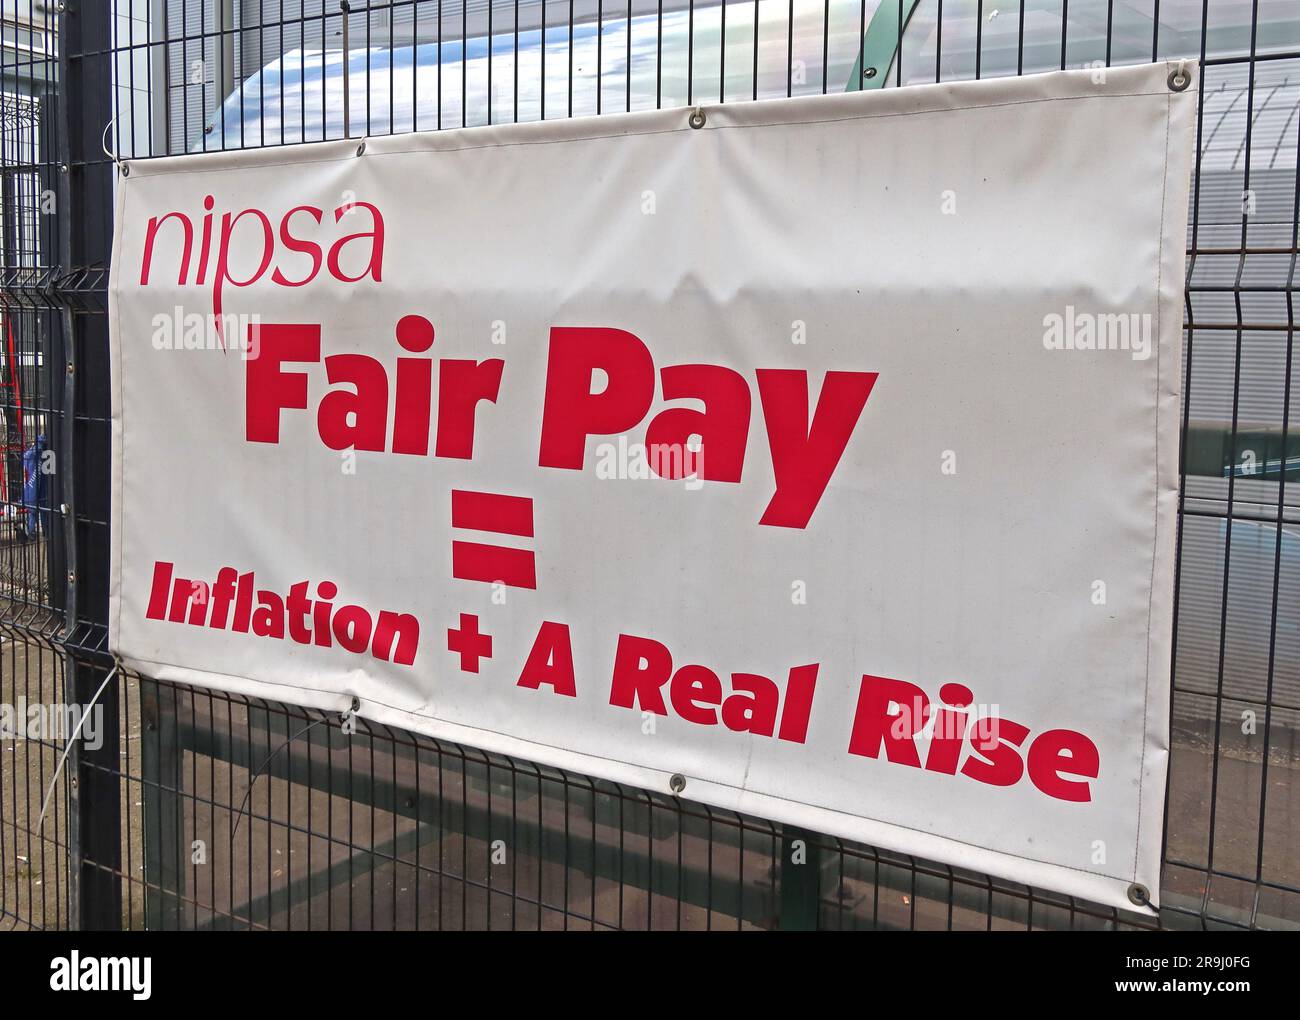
x,y
78,293
800,879
164,825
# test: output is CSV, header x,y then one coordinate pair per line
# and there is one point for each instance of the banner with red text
x,y
815,459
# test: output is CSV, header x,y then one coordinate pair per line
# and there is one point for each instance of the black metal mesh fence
x,y
188,808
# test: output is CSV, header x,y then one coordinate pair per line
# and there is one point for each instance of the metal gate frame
x,y
123,870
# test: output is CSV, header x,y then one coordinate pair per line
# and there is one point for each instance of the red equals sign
x,y
502,515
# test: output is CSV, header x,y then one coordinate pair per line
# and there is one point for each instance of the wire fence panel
x,y
195,809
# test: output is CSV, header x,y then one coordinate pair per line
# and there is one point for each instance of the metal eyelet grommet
x,y
677,783
870,72
1138,894
1179,80
697,118
126,170
361,148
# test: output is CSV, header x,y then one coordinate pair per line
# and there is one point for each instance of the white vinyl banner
x,y
814,458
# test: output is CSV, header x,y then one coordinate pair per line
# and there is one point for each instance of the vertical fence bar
x,y
346,9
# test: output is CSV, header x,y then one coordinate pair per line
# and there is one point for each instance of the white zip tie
x,y
76,733
347,714
103,142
